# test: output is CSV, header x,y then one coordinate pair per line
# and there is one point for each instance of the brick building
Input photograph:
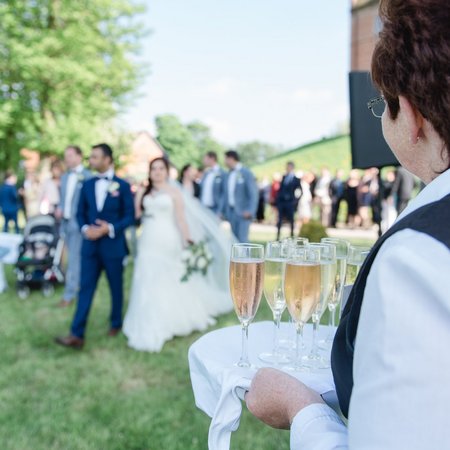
x,y
365,29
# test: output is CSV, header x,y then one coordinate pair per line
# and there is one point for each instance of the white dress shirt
x,y
101,188
401,393
232,184
72,181
208,187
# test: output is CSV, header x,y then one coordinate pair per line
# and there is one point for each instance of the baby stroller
x,y
38,265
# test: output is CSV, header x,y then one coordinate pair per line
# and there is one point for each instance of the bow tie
x,y
102,177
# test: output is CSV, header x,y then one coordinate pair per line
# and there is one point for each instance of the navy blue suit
x,y
105,253
9,203
287,200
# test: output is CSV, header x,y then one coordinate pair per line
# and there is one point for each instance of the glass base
x,y
274,358
316,362
244,365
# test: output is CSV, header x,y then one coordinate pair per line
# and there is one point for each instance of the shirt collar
x,y
109,174
238,166
434,191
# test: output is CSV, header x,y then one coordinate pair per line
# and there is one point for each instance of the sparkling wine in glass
x,y
356,256
335,298
274,266
328,269
302,286
288,341
246,285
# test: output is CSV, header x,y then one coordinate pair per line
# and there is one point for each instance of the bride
x,y
161,305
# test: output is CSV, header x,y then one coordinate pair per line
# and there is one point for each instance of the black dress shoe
x,y
70,341
114,332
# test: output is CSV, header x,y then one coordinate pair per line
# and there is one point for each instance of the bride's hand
x,y
189,242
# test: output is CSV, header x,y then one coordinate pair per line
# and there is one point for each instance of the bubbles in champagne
x,y
302,285
246,285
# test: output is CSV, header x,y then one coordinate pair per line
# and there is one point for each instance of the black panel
x,y
369,149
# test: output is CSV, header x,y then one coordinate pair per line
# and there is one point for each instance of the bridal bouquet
x,y
196,258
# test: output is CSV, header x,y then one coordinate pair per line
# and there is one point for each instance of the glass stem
x,y
298,346
276,331
314,347
331,323
244,362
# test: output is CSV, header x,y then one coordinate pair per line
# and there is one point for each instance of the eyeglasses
x,y
377,106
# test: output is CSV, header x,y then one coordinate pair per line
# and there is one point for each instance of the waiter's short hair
x,y
233,154
106,150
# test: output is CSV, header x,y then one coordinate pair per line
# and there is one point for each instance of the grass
x,y
334,153
106,396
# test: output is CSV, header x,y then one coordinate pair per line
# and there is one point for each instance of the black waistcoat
x,y
432,219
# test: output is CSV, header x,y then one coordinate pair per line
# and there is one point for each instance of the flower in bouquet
x,y
196,258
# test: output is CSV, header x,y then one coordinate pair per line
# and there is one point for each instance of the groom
x,y
105,210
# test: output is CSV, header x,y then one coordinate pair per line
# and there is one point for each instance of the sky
x,y
269,70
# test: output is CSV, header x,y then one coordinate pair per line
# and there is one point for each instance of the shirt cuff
x,y
83,229
318,427
111,233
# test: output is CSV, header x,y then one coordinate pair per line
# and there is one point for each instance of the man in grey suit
x,y
241,196
71,183
212,184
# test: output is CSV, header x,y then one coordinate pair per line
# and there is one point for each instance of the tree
x,y
201,134
185,143
256,152
66,67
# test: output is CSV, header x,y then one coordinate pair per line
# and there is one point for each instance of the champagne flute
x,y
246,285
335,299
289,340
356,256
328,269
302,290
274,266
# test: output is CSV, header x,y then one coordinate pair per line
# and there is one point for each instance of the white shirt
x,y
208,187
72,180
401,393
232,184
101,188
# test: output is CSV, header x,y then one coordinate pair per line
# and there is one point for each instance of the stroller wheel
x,y
48,290
23,292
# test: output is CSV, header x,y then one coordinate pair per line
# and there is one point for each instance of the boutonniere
x,y
239,178
218,179
113,188
80,178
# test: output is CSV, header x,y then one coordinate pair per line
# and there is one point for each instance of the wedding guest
x,y
403,188
388,210
305,203
337,190
71,183
31,192
212,187
351,196
241,196
390,356
322,196
50,191
105,211
9,201
287,198
188,179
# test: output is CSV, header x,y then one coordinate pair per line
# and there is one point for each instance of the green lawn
x,y
106,396
334,153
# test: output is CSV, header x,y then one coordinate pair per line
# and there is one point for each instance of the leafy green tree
x,y
66,67
185,143
201,134
256,152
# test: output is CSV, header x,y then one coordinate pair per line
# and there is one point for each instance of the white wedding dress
x,y
161,306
